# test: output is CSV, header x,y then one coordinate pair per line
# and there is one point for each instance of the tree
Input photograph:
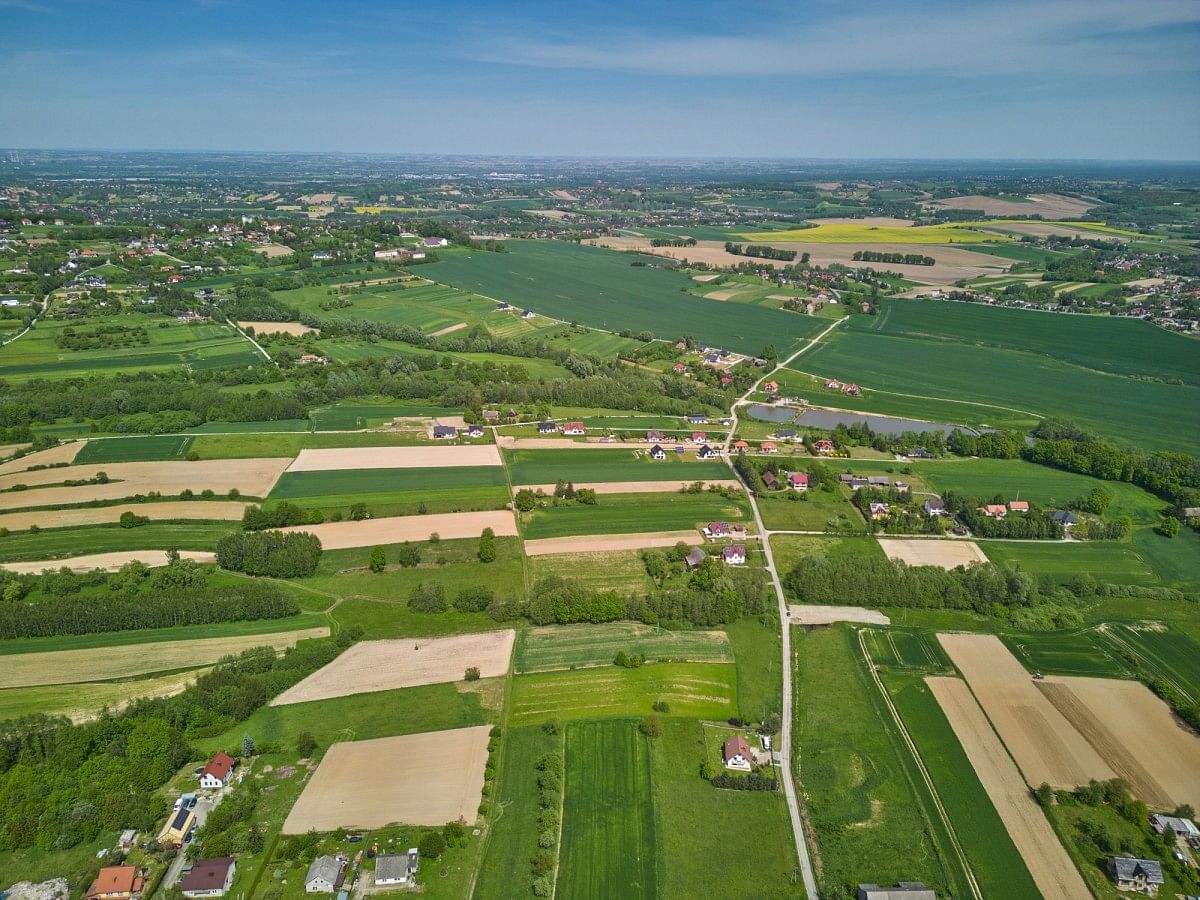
x,y
358,512
1168,527
409,555
1043,794
378,559
305,743
247,745
487,546
650,727
432,845
472,673
525,500
426,597
586,496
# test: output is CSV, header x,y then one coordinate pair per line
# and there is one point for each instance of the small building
x,y
574,428
697,419
798,481
655,436
178,825
694,558
734,555
768,447
444,432
527,314
918,453
474,431
880,510
707,452
737,754
116,883
878,481
699,437
397,868
209,878
857,482
716,529
786,434
657,452
491,415
546,428
741,446
502,306
852,390
218,771
900,486
1064,518
392,253
1018,506
1184,828
771,387
435,242
995,510
679,368
325,875
824,447
905,890
770,480
128,838
1141,875
833,384
934,506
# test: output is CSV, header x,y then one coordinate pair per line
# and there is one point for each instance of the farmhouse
x,y
1184,828
768,447
546,428
880,510
852,390
833,384
741,446
1021,506
574,428
657,452
716,529
798,481
786,434
527,314
824,447
699,437
918,453
770,480
694,558
474,431
325,875
878,481
178,825
1142,875
905,890
216,774
736,753
697,419
435,242
734,555
391,253
209,878
771,387
115,883
655,436
444,432
679,368
995,510
707,452
397,868
934,506
1064,518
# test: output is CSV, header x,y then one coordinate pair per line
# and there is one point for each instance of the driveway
x,y
204,805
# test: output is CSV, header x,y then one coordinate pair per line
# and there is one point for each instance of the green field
x,y
1114,563
1166,652
813,510
789,549
85,698
759,657
600,288
705,691
1067,653
558,647
352,416
608,837
396,491
632,514
907,649
588,466
60,543
135,449
617,570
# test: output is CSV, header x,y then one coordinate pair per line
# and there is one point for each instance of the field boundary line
x,y
972,883
257,345
562,808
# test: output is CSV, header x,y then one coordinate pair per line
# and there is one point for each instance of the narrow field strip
x,y
397,529
631,487
432,457
196,510
603,543
109,562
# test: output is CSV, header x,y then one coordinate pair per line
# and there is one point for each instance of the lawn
x,y
609,840
1067,653
586,466
759,659
352,416
600,288
814,510
632,513
60,543
558,647
397,492
616,570
134,449
1106,561
907,649
694,690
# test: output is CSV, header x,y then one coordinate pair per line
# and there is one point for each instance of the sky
x,y
1042,79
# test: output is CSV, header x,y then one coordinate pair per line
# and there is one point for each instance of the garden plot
x,y
604,543
398,529
1042,741
947,554
416,779
396,458
371,666
109,562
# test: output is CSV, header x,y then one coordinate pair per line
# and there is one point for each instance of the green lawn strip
x,y
60,543
274,426
557,647
993,857
907,649
590,465
632,513
609,841
750,855
247,446
1170,653
135,449
1106,561
691,689
294,485
759,660
409,502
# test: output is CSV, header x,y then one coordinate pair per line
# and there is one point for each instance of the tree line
x,y
760,251
908,259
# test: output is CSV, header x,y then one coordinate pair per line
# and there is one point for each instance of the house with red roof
x,y
768,447
741,446
115,883
736,754
995,510
1021,506
679,368
218,771
574,428
734,555
771,387
798,481
824,446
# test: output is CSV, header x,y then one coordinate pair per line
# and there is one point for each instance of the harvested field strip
x,y
607,543
1137,735
170,510
558,647
80,702
806,614
109,562
946,554
417,779
398,529
623,571
630,487
63,453
531,467
430,457
1045,745
297,329
704,691
109,663
608,836
1047,861
371,666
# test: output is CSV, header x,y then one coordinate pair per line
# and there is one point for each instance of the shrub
x,y
550,726
305,743
661,706
432,845
409,555
429,598
650,727
473,599
472,673
378,560
487,546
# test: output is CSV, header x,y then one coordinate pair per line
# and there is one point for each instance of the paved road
x,y
785,743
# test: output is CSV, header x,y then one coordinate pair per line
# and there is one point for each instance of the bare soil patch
x,y
1048,206
809,614
449,329
933,552
198,510
371,666
705,279
1137,735
953,263
1045,745
7,450
630,487
63,453
109,562
1040,229
396,458
397,529
107,663
605,543
296,329
417,779
1048,863
271,251
712,253
564,195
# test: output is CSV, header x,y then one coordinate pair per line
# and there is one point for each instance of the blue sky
x,y
1098,79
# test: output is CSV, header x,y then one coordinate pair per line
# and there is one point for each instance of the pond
x,y
777,414
827,420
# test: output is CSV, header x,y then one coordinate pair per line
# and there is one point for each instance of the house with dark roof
x,y
918,453
786,434
209,878
546,428
115,883
444,432
736,753
325,875
1141,875
707,452
770,480
475,431
216,774
697,419
1065,518
905,890
734,555
397,868
694,558
934,506
657,452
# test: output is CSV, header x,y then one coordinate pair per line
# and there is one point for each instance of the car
x,y
187,838
198,770
354,838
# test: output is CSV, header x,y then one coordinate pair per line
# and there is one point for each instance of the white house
x,y
657,452
218,771
397,868
707,452
435,242
209,878
734,555
574,428
325,875
736,754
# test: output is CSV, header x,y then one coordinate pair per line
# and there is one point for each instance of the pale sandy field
x,y
9,449
201,510
449,329
1045,745
107,663
417,779
296,329
812,614
109,562
564,195
63,453
396,458
932,552
1137,735
371,666
271,251
712,253
397,529
1048,206
705,279
592,543
1047,228
628,487
1047,860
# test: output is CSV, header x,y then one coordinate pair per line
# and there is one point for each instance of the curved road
x,y
785,743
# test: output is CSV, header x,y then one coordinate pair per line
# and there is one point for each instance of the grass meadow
x,y
134,449
396,492
759,657
631,514
1166,651
557,647
586,466
789,549
60,543
1067,653
616,570
814,510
